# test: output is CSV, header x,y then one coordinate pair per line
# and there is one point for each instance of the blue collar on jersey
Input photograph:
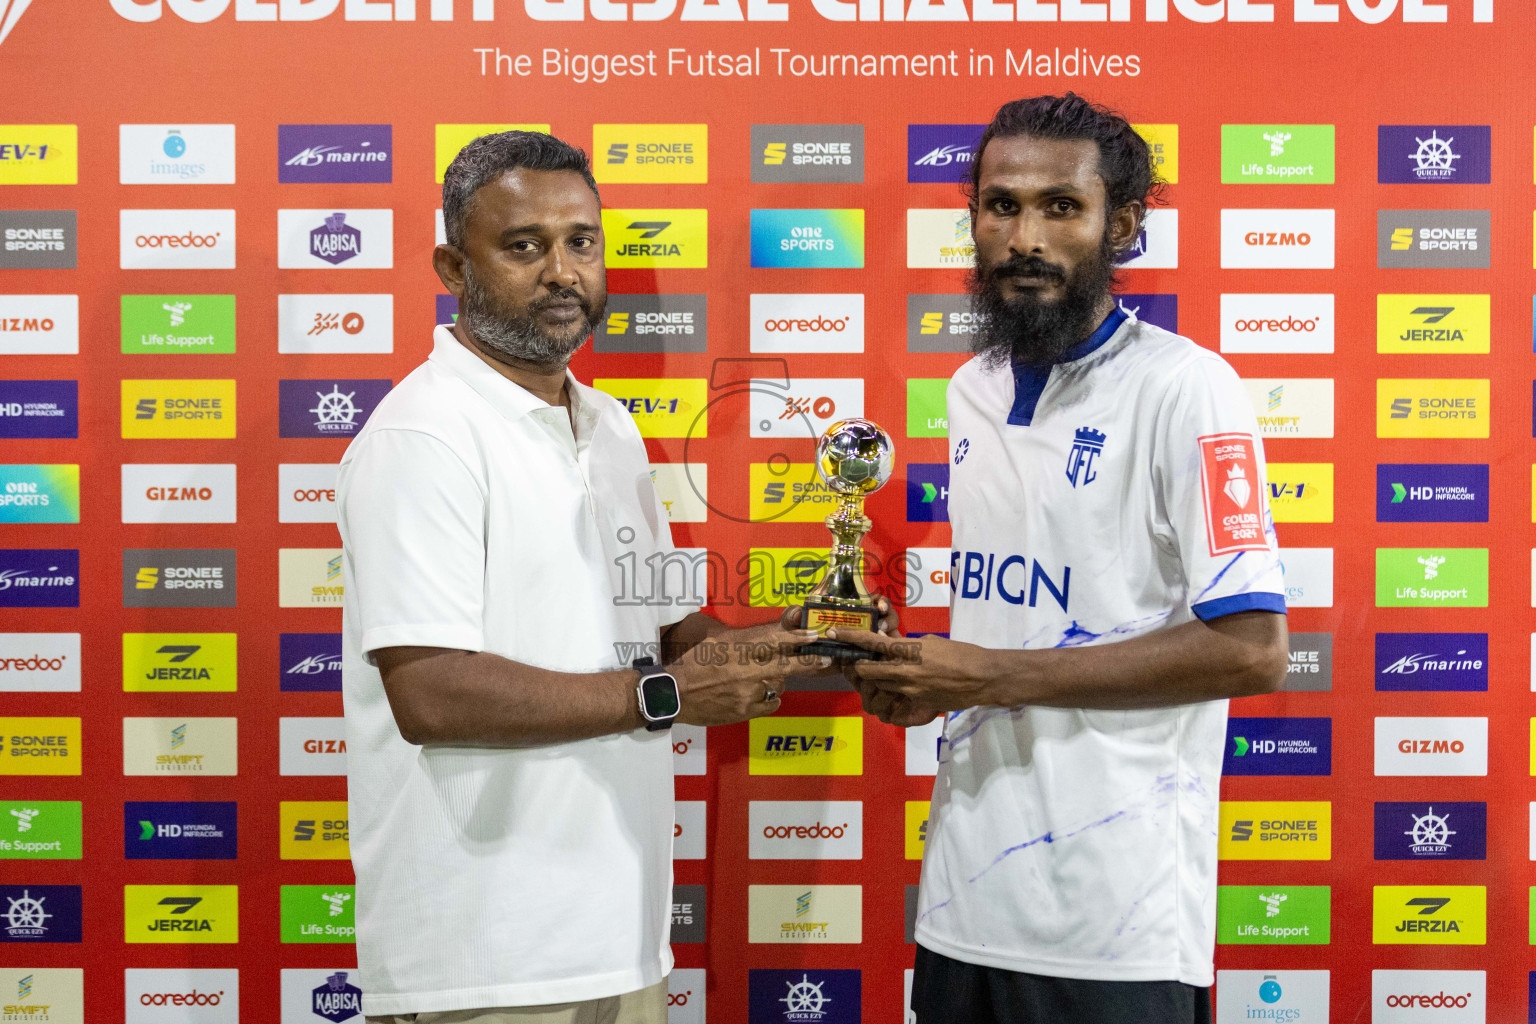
x,y
1029,381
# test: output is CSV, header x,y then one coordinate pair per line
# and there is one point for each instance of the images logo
x,y
1288,154
179,662
176,239
331,239
805,913
941,152
178,409
309,662
1431,408
928,493
654,323
1290,915
39,578
806,746
180,830
176,154
1439,831
803,996
651,153
1300,997
39,325
800,830
318,913
327,408
1277,239
1440,154
1431,577
1417,915
180,746
179,578
37,154
1431,746
313,830
1431,493
37,240
658,239
1434,239
40,830
808,238
161,324
940,238
1279,746
181,913
1432,662
1277,323
1301,492
450,138
822,153
1275,831
1433,324
39,494
39,913
334,153
807,323
39,409
662,406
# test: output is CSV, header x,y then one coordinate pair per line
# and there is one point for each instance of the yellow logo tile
x,y
1164,141
313,830
181,913
453,137
662,406
179,662
178,408
1431,408
662,239
917,828
1433,324
788,493
1301,492
39,746
806,746
650,153
39,154
1262,830
1452,915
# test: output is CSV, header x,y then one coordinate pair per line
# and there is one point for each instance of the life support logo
x,y
1259,830
805,830
180,746
806,746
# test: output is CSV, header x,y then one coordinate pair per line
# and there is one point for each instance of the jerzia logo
x,y
1087,446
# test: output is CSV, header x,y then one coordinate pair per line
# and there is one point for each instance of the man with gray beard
x,y
507,712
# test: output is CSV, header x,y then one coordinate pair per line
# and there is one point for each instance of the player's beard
x,y
1025,329
518,334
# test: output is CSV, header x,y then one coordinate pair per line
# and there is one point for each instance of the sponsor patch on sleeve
x,y
1234,505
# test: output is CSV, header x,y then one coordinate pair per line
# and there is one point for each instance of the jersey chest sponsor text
x,y
1011,577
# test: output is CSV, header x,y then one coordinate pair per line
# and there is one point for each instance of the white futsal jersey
x,y
1118,493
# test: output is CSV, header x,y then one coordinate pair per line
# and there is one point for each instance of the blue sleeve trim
x,y
1215,609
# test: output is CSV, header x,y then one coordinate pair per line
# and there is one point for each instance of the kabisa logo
x,y
330,239
651,153
1432,662
1442,154
1448,914
180,830
310,661
808,238
39,578
335,241
1434,239
941,152
654,323
656,238
1437,831
821,153
1087,445
327,408
337,1000
334,153
39,913
1433,324
1014,578
37,240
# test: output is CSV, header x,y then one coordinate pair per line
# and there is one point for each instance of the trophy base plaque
x,y
824,615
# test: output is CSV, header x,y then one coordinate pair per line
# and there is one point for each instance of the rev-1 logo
x,y
799,744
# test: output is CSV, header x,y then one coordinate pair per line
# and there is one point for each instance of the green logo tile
x,y
40,829
1431,577
926,411
1282,915
159,324
1284,154
319,913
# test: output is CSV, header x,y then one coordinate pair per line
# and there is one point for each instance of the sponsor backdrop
x,y
216,218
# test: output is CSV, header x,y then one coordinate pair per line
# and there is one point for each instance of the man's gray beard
x,y
516,336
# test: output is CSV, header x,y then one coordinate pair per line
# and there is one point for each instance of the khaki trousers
x,y
647,1006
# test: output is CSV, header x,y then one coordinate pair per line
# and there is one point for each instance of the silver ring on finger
x,y
769,694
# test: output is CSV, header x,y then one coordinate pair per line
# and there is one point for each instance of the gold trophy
x,y
854,458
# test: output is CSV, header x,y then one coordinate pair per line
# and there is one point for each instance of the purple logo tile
x,y
334,153
1431,493
327,408
1434,154
39,408
39,578
1432,661
941,152
309,662
928,492
1158,310
1432,831
1279,746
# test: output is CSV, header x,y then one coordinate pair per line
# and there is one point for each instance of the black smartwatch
x,y
659,701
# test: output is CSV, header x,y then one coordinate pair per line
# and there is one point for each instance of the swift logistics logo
x,y
40,830
653,323
1421,915
656,239
1432,662
309,662
1434,324
39,325
662,406
327,407
1431,408
39,494
179,578
318,913
806,746
40,913
39,409
1431,577
179,324
178,493
1286,154
180,830
313,830
179,662
331,239
928,492
1273,915
39,578
1433,239
181,913
38,240
176,239
1431,493
808,238
805,913
940,239
651,153
1431,746
807,153
1438,831
1277,239
310,577
181,409
1277,323
331,154
1253,830
180,746
1434,154
38,154
1301,492
176,154
55,995
335,324
1279,746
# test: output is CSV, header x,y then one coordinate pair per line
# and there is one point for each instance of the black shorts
x,y
946,991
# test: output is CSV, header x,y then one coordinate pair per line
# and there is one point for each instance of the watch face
x,y
660,694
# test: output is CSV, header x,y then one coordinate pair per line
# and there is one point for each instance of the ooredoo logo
x,y
1277,323
182,996
805,830
306,492
40,662
176,239
192,998
807,323
1436,1001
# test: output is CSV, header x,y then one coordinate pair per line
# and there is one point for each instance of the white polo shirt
x,y
473,518
1117,493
